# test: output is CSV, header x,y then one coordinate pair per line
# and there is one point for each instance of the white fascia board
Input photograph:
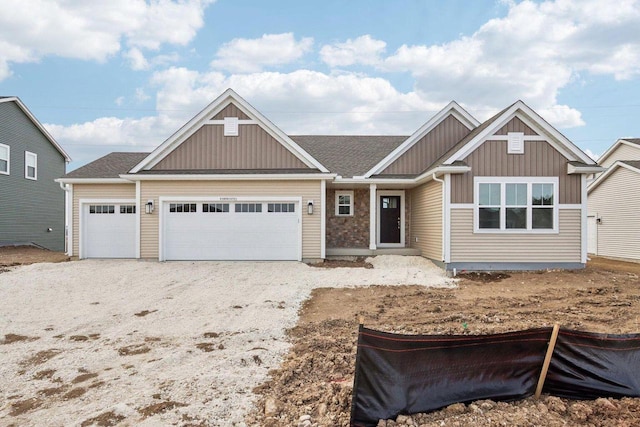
x,y
229,177
407,181
93,181
211,110
572,169
453,109
38,125
440,170
563,144
599,180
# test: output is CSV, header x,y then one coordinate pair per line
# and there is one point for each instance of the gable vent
x,y
516,142
230,126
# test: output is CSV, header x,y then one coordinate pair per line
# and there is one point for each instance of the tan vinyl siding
x,y
208,148
426,219
308,190
467,246
623,152
539,159
515,125
96,191
428,149
617,202
230,111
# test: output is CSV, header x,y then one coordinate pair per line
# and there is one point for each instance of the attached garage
x,y
108,229
231,229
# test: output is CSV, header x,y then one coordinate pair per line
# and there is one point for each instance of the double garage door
x,y
198,230
231,230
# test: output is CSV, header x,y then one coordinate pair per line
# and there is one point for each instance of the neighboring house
x,y
614,203
32,205
509,193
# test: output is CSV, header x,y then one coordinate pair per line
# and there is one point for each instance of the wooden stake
x,y
361,320
547,359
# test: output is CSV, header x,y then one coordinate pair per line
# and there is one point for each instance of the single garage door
x,y
109,230
247,230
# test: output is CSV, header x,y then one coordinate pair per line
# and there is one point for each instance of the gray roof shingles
x,y
110,166
632,163
633,140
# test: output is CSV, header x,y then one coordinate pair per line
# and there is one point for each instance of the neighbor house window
x,y
30,165
516,204
4,159
344,203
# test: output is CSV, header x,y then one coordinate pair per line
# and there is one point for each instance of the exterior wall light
x,y
148,208
310,207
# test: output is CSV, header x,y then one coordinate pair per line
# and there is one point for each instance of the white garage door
x,y
109,230
247,230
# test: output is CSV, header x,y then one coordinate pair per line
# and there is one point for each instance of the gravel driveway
x,y
150,343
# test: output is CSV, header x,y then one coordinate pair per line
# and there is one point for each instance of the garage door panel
x,y
108,232
231,235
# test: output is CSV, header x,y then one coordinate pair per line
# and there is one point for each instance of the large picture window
x,y
527,204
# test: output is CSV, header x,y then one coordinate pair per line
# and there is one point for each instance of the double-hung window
x,y
30,165
512,204
4,159
344,203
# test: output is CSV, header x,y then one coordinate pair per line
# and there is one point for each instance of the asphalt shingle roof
x,y
632,163
110,166
633,140
348,156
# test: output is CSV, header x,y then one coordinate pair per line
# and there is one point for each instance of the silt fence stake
x,y
547,359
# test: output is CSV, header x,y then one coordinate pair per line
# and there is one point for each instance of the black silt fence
x,y
407,374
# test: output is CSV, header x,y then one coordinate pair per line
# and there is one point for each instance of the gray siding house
x,y
32,204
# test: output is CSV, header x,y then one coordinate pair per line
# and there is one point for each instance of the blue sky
x,y
123,75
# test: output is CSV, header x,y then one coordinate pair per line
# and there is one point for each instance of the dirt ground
x,y
313,385
22,255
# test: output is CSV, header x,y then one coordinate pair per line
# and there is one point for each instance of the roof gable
x,y
37,124
528,117
219,105
453,109
633,143
632,165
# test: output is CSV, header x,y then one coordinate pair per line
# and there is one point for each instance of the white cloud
x,y
32,29
531,54
593,155
136,59
362,50
253,55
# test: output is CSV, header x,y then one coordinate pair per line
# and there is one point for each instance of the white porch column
x,y
372,216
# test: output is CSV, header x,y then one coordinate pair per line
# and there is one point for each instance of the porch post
x,y
372,216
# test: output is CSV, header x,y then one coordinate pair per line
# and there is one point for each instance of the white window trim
x,y
28,154
344,193
8,159
514,180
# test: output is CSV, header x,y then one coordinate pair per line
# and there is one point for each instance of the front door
x,y
390,219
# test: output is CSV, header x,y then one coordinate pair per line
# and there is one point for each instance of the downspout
x,y
441,181
66,188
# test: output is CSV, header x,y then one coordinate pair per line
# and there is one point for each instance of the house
x,y
32,205
614,202
509,193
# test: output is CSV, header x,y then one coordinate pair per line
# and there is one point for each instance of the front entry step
x,y
370,252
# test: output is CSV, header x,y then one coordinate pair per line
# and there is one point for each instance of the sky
x,y
123,75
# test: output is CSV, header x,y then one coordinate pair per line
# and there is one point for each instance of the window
x,y
102,209
127,209
182,207
516,204
4,159
344,203
30,165
281,207
248,207
215,207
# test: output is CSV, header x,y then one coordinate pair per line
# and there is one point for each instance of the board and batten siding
x,y
428,149
617,202
98,192
623,152
308,190
539,159
230,111
426,219
515,125
467,246
28,208
208,149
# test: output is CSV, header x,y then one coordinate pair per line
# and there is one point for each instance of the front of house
x,y
509,193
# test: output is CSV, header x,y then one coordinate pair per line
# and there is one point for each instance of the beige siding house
x,y
506,194
614,203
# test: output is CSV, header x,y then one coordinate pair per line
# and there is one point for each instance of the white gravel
x,y
248,304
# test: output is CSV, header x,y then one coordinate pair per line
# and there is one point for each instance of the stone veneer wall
x,y
348,231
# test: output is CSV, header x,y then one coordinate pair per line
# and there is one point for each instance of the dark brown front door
x,y
389,219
